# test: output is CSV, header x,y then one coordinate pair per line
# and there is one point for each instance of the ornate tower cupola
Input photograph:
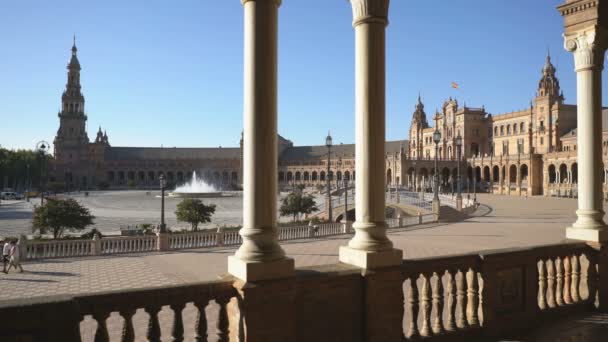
x,y
419,117
419,122
548,84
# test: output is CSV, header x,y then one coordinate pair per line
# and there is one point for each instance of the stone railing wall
x,y
148,243
123,315
486,294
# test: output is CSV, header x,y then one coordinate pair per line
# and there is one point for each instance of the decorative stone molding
x,y
577,6
370,11
587,48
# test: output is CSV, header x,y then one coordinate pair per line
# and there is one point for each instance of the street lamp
x,y
415,177
163,183
459,151
328,142
345,200
42,147
27,182
436,139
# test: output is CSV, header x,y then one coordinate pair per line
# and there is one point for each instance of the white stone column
x,y
260,256
370,247
588,49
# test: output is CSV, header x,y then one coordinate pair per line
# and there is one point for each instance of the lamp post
x,y
338,168
42,147
27,182
436,139
458,185
163,228
415,176
328,142
436,204
345,200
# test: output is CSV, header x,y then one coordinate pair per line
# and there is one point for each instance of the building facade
x,y
84,164
526,152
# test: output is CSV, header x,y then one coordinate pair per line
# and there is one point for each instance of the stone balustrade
x,y
67,318
131,244
35,249
485,294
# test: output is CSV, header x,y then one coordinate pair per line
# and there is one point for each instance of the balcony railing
x,y
490,293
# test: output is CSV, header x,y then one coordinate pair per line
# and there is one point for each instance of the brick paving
x,y
500,222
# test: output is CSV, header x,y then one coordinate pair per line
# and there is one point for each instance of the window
x,y
522,127
502,130
508,129
542,140
542,123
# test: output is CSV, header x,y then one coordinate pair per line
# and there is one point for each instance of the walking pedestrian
x,y
14,257
6,251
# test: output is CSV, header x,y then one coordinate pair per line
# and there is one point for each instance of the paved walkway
x,y
500,223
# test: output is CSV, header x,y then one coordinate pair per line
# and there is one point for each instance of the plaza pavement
x,y
500,222
113,209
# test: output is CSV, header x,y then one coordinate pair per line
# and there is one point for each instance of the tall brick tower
x,y
71,141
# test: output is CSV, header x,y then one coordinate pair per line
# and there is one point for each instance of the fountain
x,y
196,188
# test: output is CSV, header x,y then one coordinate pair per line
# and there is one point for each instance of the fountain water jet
x,y
196,188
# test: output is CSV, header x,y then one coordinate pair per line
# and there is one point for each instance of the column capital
x,y
278,2
588,48
370,11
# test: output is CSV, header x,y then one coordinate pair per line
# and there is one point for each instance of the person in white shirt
x,y
6,251
14,257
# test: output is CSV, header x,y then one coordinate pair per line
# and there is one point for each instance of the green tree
x,y
298,203
194,211
59,215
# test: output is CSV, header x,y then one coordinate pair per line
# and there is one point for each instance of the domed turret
x,y
548,84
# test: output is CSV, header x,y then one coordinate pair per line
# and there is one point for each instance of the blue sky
x,y
171,72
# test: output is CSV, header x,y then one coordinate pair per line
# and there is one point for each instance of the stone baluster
x,y
438,304
567,279
128,331
576,276
153,333
450,324
413,307
559,288
551,283
542,285
472,298
177,331
222,321
425,303
462,299
592,280
200,325
101,334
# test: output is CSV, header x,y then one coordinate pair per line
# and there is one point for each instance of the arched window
x,y
502,130
522,127
314,175
495,130
508,129
514,128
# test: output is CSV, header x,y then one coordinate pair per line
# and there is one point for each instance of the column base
x,y
368,259
587,234
254,271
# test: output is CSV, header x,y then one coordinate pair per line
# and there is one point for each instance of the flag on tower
x,y
454,85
